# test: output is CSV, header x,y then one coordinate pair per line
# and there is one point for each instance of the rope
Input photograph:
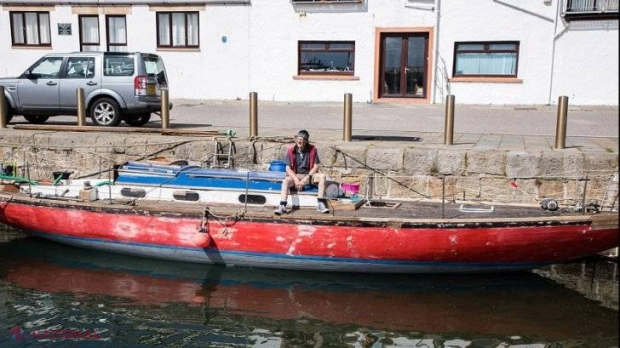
x,y
203,225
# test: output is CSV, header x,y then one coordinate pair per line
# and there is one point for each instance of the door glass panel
x,y
392,65
415,66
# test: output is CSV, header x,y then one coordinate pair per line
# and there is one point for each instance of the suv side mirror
x,y
28,75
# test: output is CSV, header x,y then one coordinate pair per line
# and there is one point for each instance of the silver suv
x,y
117,86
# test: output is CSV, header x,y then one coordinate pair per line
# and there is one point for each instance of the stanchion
x,y
3,108
348,116
253,114
81,107
449,127
165,111
560,128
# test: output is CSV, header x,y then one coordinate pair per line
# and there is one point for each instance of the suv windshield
x,y
48,67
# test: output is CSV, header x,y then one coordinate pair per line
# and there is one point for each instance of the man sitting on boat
x,y
302,168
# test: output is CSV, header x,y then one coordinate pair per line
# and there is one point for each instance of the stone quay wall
x,y
397,170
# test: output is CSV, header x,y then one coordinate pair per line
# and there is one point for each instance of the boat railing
x,y
594,190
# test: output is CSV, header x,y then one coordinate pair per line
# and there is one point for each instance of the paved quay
x,y
477,127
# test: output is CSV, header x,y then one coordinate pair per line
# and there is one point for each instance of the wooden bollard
x,y
165,111
449,126
560,128
81,107
253,114
348,117
3,109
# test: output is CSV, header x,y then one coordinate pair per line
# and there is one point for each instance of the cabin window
x,y
133,193
252,199
190,196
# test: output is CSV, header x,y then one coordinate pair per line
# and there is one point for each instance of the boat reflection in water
x,y
132,301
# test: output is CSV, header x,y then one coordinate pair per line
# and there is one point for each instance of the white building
x,y
381,51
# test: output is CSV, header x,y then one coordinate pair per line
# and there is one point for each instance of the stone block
x,y
522,164
572,164
419,161
552,164
349,156
384,158
450,162
551,189
601,162
486,162
411,187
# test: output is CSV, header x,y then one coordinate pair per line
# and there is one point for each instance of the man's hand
x,y
299,184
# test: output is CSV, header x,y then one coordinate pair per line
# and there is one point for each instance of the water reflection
x,y
133,302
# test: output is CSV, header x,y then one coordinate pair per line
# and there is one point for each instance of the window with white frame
x,y
89,33
117,33
30,29
177,29
326,57
486,59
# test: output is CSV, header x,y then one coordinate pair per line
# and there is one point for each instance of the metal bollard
x,y
3,108
253,114
348,117
81,107
560,128
449,127
165,110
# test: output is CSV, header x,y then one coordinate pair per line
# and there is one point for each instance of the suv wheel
x,y
138,120
36,119
105,112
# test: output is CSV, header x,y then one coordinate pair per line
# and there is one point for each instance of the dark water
x,y
57,296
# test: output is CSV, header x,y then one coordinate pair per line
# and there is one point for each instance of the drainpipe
x,y
556,35
437,21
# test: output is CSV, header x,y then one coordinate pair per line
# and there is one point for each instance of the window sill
x,y
25,47
181,49
486,79
325,77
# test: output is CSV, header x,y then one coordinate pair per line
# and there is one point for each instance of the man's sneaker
x,y
280,210
322,208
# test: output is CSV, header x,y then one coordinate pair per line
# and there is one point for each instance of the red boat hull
x,y
327,244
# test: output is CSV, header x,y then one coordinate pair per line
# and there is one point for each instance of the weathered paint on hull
x,y
373,246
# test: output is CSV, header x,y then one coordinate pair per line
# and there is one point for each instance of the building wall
x,y
253,48
586,63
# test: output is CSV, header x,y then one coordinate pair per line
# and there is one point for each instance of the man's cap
x,y
303,134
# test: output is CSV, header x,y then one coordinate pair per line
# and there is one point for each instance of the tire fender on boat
x,y
202,239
